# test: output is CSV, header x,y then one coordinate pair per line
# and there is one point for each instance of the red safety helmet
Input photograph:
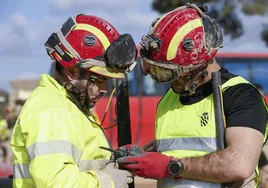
x,y
84,41
179,42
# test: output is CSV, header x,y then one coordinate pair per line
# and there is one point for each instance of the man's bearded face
x,y
96,88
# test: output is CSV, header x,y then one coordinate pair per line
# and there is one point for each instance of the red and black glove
x,y
151,165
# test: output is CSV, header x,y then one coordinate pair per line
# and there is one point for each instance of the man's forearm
x,y
220,166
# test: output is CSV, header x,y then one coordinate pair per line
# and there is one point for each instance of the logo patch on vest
x,y
204,119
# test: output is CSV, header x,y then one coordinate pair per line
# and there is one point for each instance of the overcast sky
x,y
25,25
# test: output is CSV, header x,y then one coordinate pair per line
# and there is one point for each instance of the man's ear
x,y
72,73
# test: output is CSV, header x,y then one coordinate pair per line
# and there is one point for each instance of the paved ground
x,y
144,183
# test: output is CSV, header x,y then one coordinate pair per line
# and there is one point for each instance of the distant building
x,y
20,90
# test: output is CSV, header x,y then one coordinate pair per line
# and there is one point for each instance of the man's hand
x,y
151,165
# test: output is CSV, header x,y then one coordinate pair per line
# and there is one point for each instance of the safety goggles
x,y
120,55
165,72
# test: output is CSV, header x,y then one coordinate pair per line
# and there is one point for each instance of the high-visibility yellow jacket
x,y
54,143
188,131
4,132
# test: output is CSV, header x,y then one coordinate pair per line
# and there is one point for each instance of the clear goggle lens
x,y
160,72
165,72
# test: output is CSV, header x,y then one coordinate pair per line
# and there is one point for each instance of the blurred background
x,y
25,25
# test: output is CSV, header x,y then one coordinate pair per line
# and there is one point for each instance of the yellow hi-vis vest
x,y
54,143
4,131
188,131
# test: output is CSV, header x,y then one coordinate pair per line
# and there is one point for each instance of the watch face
x,y
174,168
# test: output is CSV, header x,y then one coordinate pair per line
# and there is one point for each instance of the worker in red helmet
x,y
56,142
180,50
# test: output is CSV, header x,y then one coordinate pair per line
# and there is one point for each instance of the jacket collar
x,y
48,81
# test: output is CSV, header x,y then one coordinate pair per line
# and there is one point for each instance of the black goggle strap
x,y
54,41
53,45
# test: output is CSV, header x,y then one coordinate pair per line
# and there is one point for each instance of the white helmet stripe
x,y
67,45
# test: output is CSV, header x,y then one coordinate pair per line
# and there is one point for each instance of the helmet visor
x,y
119,57
121,54
213,33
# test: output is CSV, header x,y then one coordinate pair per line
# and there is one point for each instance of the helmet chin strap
x,y
193,82
77,87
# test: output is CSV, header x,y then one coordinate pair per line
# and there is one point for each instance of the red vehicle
x,y
145,94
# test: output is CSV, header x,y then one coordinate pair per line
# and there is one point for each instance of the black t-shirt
x,y
243,105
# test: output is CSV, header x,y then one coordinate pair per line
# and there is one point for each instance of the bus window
x,y
150,88
238,68
132,83
138,81
260,74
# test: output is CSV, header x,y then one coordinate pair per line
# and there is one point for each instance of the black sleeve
x,y
243,106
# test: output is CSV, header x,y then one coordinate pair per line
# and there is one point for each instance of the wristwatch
x,y
175,168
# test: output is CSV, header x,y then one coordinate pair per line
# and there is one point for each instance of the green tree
x,y
224,11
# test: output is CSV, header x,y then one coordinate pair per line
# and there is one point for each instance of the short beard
x,y
88,103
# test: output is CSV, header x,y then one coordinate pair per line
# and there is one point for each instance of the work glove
x,y
94,165
151,165
120,178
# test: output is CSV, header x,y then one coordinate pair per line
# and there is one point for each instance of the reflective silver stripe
x,y
54,147
185,183
21,171
199,144
86,165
